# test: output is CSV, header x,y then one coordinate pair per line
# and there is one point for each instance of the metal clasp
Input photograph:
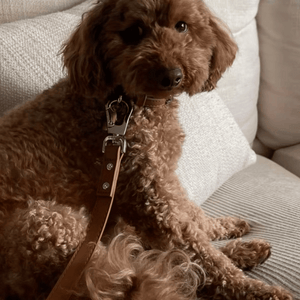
x,y
118,113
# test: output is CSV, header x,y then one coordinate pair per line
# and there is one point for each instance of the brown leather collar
x,y
139,100
153,102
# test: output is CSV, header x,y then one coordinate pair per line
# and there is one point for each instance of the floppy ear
x,y
224,51
83,54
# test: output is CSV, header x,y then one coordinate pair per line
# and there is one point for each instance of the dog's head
x,y
148,47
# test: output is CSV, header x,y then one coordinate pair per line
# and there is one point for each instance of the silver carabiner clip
x,y
116,125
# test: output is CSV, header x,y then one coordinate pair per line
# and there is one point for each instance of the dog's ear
x,y
83,54
224,51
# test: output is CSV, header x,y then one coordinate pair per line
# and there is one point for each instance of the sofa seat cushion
x,y
268,197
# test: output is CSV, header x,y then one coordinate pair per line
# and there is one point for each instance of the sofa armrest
x,y
289,158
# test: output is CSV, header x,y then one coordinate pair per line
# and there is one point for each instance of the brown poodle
x,y
146,51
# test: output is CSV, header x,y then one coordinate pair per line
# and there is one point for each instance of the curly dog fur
x,y
49,165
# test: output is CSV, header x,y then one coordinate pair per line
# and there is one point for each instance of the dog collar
x,y
153,102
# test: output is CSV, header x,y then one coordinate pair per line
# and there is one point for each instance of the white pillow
x,y
239,86
11,10
215,147
29,61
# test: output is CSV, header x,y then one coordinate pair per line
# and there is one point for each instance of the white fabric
x,y
268,197
13,10
239,86
215,148
29,61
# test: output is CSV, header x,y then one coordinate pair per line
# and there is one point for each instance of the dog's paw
x,y
247,255
229,227
241,228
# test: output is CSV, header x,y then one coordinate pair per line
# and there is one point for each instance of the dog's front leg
x,y
168,197
170,220
223,279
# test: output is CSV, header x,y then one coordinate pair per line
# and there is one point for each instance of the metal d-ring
x,y
119,101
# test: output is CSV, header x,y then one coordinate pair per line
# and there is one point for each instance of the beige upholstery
x,y
289,158
29,60
279,99
211,152
268,197
239,88
13,10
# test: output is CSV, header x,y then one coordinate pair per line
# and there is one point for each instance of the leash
x,y
113,149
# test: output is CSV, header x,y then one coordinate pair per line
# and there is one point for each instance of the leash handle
x,y
69,279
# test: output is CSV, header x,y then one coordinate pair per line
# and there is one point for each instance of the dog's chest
x,y
154,141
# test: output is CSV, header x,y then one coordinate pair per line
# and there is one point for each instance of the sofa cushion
x,y
12,10
279,99
289,158
239,85
29,60
214,149
268,197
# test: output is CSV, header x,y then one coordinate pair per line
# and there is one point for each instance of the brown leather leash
x,y
99,216
114,147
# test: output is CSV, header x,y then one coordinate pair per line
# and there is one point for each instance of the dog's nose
x,y
170,78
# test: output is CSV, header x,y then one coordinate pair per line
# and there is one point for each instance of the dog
x,y
145,51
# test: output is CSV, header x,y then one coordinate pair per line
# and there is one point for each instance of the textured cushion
x,y
239,85
268,197
29,61
279,99
13,10
215,148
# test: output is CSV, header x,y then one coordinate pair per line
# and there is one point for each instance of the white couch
x,y
256,104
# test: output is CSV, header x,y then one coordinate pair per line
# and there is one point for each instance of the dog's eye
x,y
132,35
181,26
